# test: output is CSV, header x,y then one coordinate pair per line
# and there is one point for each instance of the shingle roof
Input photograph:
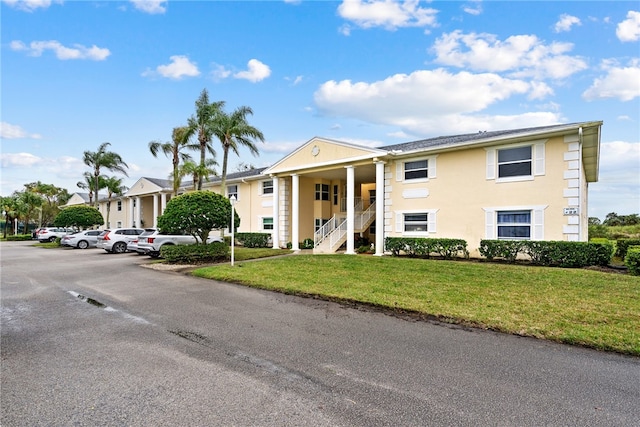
x,y
444,141
164,183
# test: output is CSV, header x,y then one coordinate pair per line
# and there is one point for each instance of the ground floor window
x,y
319,222
514,225
416,222
322,191
267,223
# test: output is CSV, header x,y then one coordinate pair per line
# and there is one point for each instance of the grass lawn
x,y
574,306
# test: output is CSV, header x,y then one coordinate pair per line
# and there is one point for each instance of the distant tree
x,y
103,159
180,137
29,203
114,186
196,171
79,217
243,167
197,213
612,219
201,125
594,220
10,209
88,184
54,197
234,131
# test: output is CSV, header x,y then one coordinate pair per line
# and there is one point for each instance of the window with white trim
x,y
119,205
267,223
322,191
418,169
514,162
418,222
267,187
514,225
232,190
319,222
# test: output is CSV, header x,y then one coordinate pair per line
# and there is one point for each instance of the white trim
x,y
431,168
537,220
431,222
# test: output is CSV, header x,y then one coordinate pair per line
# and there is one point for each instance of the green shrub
x,y
623,244
426,247
253,240
549,253
194,254
307,244
18,237
632,260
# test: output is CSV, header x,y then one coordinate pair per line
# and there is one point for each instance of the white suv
x,y
50,234
116,240
150,242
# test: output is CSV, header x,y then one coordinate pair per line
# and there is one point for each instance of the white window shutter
x,y
538,224
260,188
490,226
431,167
538,168
399,171
491,164
399,221
431,225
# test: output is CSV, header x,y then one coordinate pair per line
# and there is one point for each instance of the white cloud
x,y
565,23
520,55
78,51
388,14
30,5
427,101
257,71
629,29
150,6
619,82
179,67
19,160
9,131
473,8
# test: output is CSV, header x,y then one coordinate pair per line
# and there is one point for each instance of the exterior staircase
x,y
333,234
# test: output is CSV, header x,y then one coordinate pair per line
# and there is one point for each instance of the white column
x,y
276,213
295,212
163,202
132,218
350,209
155,211
379,208
138,212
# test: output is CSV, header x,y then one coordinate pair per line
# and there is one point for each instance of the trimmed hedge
x,y
194,254
426,247
253,240
622,245
549,253
18,237
632,260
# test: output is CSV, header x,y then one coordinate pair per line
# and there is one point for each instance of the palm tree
x,y
201,125
10,209
29,202
234,131
173,149
196,171
103,159
114,186
88,185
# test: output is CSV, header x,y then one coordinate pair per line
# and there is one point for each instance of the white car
x,y
82,239
116,240
150,242
50,234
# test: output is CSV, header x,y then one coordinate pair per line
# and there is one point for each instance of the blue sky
x,y
79,73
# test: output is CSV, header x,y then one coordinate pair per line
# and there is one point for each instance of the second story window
x,y
322,192
232,190
416,170
514,162
267,187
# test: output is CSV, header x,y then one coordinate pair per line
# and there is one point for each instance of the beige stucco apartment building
x,y
513,184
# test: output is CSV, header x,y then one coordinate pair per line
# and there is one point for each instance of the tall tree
x,y
190,168
53,198
10,210
234,131
114,186
88,184
100,159
29,203
201,125
180,137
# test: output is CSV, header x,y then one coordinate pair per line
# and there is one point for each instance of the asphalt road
x,y
93,339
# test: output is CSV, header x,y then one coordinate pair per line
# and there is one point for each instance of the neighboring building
x,y
514,184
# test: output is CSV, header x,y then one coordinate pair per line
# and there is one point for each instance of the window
x,y
322,191
416,222
335,194
416,170
319,223
267,187
267,223
119,205
372,228
514,162
119,224
232,190
514,225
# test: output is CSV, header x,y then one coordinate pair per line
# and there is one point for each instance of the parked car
x,y
116,240
150,242
82,239
50,234
132,246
